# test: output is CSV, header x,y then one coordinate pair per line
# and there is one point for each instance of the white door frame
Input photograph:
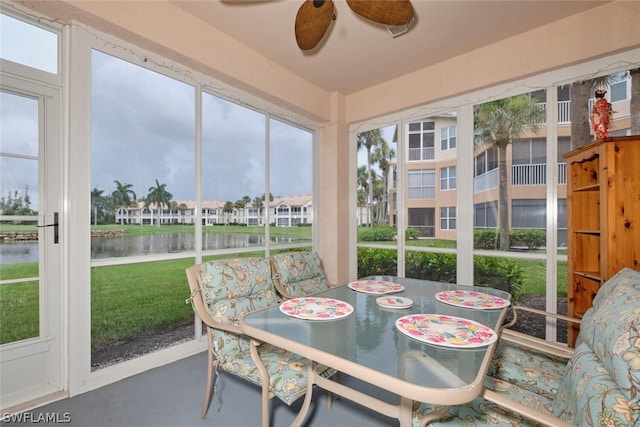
x,y
35,368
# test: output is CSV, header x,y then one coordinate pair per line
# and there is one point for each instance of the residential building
x,y
288,211
431,170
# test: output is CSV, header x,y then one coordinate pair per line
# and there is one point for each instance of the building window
x,y
448,178
486,161
422,219
422,141
448,218
422,184
618,87
485,214
529,213
448,138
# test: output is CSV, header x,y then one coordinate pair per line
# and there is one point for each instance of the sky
x,y
143,129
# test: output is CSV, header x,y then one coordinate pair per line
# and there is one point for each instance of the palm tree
x,y
97,201
123,196
369,140
228,208
382,156
500,122
173,207
580,115
182,207
363,189
160,196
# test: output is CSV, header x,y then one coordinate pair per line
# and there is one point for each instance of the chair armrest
x,y
535,343
516,308
524,410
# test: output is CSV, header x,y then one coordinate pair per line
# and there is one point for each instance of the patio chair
x,y
298,274
221,292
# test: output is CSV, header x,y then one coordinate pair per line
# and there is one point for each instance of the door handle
x,y
55,228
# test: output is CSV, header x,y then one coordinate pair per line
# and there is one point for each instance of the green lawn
x,y
127,300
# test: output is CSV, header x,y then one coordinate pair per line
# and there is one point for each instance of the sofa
x,y
533,382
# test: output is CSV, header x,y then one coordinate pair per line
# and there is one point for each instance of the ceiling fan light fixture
x,y
398,30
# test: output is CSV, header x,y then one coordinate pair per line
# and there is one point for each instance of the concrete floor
x,y
171,396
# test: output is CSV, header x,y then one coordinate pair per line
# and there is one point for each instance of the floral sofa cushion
x,y
298,274
481,412
603,383
533,370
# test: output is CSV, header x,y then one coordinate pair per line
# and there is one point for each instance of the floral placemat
x,y
315,308
375,286
472,299
446,331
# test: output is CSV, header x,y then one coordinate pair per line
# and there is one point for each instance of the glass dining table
x,y
424,341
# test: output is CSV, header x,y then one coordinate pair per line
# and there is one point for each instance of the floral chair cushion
x,y
481,412
533,370
299,273
231,288
287,371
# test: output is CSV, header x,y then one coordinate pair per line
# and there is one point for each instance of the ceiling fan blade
x,y
387,12
312,21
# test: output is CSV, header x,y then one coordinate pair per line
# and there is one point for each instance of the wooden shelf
x,y
594,275
590,232
593,187
603,218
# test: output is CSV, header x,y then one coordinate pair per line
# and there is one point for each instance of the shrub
x,y
431,266
412,233
376,262
499,273
485,239
531,238
379,233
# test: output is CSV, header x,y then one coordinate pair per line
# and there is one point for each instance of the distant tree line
x,y
16,203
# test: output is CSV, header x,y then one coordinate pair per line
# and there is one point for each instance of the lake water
x,y
144,245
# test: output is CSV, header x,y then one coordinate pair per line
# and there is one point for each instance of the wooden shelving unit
x,y
603,223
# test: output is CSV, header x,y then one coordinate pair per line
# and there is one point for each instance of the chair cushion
x,y
481,412
533,370
299,273
231,288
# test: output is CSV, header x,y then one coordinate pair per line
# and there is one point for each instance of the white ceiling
x,y
357,53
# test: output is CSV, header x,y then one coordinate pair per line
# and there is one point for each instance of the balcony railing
x,y
422,193
486,181
535,174
564,111
426,153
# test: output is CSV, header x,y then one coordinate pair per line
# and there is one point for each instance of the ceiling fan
x,y
315,16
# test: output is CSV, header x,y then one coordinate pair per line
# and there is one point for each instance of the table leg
x,y
406,412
